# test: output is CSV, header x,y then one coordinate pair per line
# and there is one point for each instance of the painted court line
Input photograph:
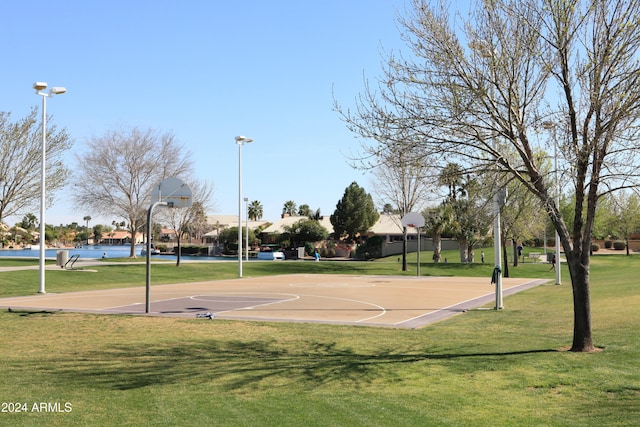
x,y
391,301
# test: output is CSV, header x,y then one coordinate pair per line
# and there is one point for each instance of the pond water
x,y
97,251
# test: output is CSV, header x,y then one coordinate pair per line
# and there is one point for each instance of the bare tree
x,y
476,84
118,170
626,211
404,180
21,158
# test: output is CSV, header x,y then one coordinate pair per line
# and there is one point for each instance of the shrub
x,y
193,250
309,249
595,247
619,245
372,248
608,244
534,243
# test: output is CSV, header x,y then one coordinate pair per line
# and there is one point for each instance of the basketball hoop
x,y
413,219
172,191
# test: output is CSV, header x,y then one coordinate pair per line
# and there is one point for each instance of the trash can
x,y
62,257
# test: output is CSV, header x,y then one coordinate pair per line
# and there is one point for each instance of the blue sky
x,y
207,71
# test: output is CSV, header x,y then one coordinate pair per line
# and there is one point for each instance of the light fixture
x,y
240,140
484,49
551,126
57,90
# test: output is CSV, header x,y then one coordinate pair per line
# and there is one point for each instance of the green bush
x,y
372,248
619,245
595,247
608,244
194,250
309,249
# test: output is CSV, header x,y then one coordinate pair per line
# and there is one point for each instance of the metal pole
x,y
148,292
485,50
558,263
418,228
496,249
41,289
148,259
239,208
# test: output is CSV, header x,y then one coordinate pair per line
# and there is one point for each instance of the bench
x,y
535,256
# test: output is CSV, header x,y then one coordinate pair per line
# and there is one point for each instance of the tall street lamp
x,y
484,49
246,223
40,87
240,140
552,127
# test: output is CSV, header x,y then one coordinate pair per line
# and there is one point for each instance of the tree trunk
x,y
437,247
516,258
132,231
582,338
463,250
180,252
505,263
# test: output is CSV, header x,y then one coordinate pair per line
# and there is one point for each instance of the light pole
x,y
485,50
246,221
40,87
240,140
552,127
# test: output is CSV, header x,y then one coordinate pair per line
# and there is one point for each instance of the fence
x,y
426,244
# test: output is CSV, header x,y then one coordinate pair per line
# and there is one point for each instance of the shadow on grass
x,y
236,365
25,313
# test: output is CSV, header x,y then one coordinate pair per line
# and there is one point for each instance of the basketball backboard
x,y
413,219
172,191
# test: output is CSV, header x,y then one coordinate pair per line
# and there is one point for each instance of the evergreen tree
x,y
355,213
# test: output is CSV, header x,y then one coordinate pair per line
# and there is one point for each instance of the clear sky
x,y
207,71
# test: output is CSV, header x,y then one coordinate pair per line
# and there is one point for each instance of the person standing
x,y
317,255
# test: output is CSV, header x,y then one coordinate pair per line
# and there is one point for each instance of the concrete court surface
x,y
391,301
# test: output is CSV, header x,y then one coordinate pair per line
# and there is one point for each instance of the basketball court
x,y
389,301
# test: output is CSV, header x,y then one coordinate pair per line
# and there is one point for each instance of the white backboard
x,y
173,191
413,219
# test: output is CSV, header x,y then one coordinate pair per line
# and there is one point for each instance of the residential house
x,y
120,237
222,222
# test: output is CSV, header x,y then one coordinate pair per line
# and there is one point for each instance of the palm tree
x,y
289,208
87,218
304,210
255,210
315,215
451,177
439,221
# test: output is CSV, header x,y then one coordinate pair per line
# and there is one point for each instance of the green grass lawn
x,y
483,367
